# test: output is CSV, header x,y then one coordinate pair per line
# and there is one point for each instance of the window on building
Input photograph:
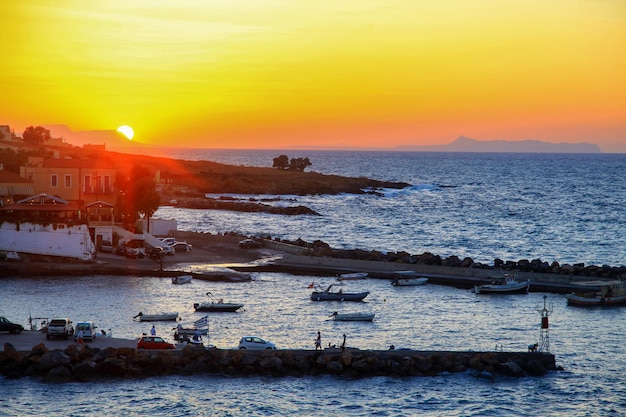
x,y
107,184
88,184
68,181
54,180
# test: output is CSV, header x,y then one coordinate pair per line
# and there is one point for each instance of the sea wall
x,y
86,363
428,262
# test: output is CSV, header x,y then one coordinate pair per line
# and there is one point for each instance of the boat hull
x,y
354,317
517,288
217,307
183,279
581,300
335,296
410,282
173,316
352,277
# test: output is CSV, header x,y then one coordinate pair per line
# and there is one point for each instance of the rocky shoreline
x,y
88,364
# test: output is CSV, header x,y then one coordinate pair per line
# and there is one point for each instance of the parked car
x,y
156,252
168,249
181,247
168,240
8,326
106,246
60,327
255,343
250,244
88,329
154,342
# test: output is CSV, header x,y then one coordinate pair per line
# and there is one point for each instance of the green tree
x,y
299,164
281,162
36,135
138,196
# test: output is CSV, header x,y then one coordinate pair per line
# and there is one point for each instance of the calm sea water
x,y
565,208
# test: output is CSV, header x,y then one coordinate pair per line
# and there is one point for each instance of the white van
x,y
88,328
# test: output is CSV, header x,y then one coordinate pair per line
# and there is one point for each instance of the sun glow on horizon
x,y
366,73
126,131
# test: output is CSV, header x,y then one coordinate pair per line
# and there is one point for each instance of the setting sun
x,y
126,131
365,74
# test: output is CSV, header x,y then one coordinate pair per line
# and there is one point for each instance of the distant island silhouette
x,y
114,140
465,144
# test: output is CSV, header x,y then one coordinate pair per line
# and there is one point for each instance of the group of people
x,y
318,343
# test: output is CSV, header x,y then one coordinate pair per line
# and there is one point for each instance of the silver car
x,y
255,343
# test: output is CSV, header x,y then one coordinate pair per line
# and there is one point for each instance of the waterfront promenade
x,y
223,251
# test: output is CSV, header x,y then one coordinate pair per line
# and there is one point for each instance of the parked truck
x,y
60,327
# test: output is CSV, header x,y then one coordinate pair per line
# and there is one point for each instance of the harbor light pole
x,y
544,332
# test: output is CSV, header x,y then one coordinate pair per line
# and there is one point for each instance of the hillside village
x,y
72,200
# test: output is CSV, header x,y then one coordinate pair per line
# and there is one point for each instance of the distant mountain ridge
x,y
115,141
465,144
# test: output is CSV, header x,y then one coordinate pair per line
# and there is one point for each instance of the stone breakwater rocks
x,y
322,249
86,363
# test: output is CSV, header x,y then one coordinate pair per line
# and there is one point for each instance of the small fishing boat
x,y
352,316
410,282
609,293
408,279
352,276
163,316
216,305
503,285
182,279
200,326
328,295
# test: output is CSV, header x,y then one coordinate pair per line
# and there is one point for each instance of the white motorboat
x,y
327,295
163,316
503,285
610,293
410,282
352,276
182,279
408,279
216,305
352,316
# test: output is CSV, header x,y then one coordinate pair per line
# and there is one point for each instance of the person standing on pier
x,y
318,341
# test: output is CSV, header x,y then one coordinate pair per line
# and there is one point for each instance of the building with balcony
x,y
79,181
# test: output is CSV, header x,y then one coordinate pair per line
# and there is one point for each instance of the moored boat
x,y
503,285
328,295
182,279
352,316
408,279
163,316
216,305
410,282
609,293
352,276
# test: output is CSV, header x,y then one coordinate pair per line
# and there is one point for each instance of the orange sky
x,y
282,74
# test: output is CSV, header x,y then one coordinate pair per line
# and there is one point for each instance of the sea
x,y
565,208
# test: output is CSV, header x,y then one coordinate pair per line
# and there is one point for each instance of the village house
x,y
13,187
79,181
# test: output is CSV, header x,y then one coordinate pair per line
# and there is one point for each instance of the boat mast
x,y
544,332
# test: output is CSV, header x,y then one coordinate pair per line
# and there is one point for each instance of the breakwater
x,y
87,363
428,261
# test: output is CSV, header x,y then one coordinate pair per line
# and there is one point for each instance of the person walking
x,y
153,331
318,341
79,337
